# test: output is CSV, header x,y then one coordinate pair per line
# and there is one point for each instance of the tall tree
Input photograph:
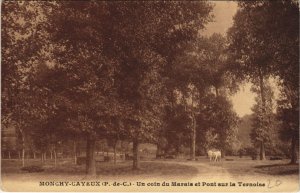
x,y
264,41
263,120
144,59
23,42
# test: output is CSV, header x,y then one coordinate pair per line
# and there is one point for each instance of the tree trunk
x,y
55,160
75,153
42,157
262,151
217,91
136,157
115,152
294,151
263,102
23,157
262,91
34,155
45,156
19,154
223,154
158,152
90,159
9,157
193,141
23,150
51,154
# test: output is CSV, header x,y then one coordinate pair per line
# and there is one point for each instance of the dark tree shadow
x,y
278,169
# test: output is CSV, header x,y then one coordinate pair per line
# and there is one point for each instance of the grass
x,y
279,169
237,169
162,168
107,169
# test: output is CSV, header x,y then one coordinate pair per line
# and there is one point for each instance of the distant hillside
x,y
244,130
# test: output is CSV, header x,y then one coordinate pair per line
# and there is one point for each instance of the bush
x,y
32,169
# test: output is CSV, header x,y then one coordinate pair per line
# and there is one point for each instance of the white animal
x,y
214,155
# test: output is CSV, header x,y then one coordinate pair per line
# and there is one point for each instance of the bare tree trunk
x,y
263,100
262,90
262,151
19,154
23,157
34,155
42,157
136,157
158,152
9,157
55,160
62,153
51,154
90,159
23,149
217,91
75,152
115,152
294,150
223,154
193,141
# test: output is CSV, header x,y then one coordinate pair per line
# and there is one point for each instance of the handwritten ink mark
x,y
272,185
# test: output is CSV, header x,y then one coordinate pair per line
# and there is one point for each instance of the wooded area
x,y
100,74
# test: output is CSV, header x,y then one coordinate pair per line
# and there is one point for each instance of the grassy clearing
x,y
176,168
246,166
277,175
107,169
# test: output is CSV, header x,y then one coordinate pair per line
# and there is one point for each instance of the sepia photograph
x,y
150,96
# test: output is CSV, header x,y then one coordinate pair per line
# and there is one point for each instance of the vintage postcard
x,y
150,96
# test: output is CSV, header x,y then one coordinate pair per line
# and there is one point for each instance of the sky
x,y
223,17
224,11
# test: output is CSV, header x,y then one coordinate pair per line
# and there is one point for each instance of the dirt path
x,y
209,170
217,177
204,176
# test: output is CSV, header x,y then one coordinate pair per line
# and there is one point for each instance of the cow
x,y
214,155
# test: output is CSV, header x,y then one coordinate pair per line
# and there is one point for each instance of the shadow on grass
x,y
153,169
278,169
147,168
124,169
